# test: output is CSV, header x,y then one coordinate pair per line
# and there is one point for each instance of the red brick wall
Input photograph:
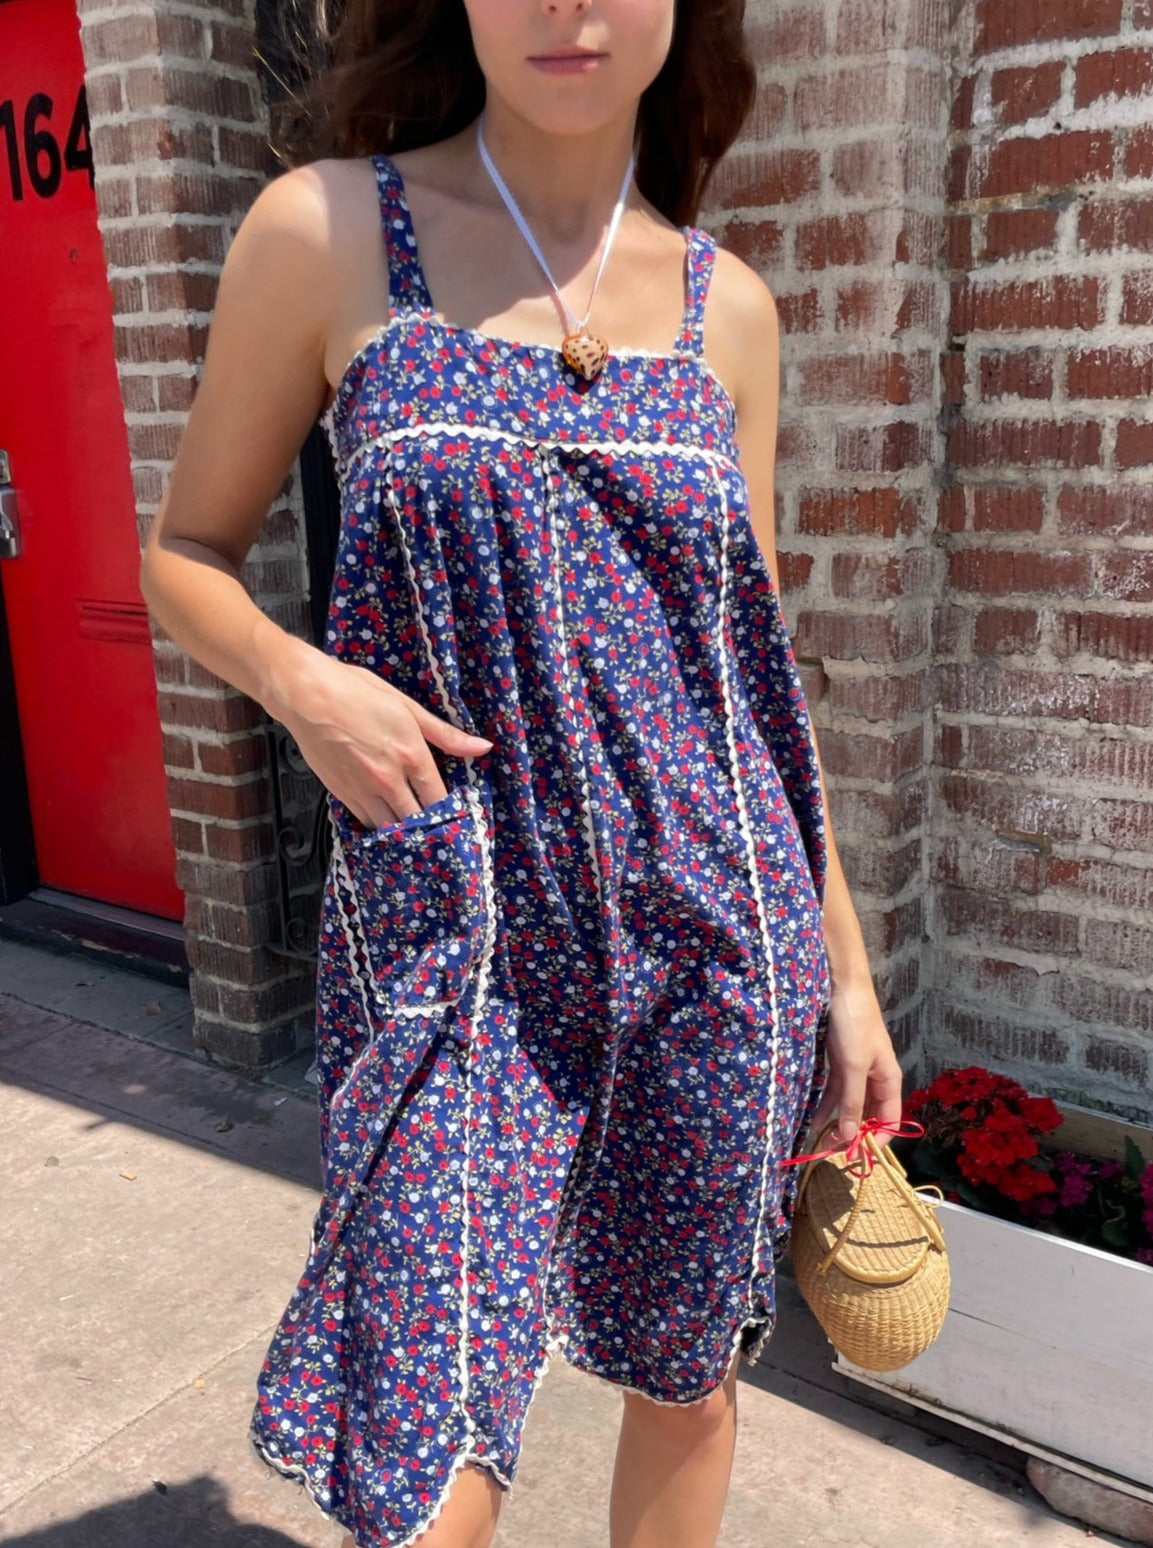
x,y
1043,791
952,201
178,136
835,197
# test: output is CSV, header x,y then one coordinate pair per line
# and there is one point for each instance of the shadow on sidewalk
x,y
194,1514
122,1080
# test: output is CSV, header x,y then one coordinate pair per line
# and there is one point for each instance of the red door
x,y
81,655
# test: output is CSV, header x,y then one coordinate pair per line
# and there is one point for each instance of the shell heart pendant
x,y
585,353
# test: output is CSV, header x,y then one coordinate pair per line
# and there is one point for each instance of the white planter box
x,y
1047,1345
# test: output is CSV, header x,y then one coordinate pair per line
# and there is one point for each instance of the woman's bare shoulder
x,y
315,207
743,299
262,381
318,226
742,326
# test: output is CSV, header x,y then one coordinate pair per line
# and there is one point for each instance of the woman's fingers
x,y
864,1075
826,1107
372,746
450,738
421,788
404,794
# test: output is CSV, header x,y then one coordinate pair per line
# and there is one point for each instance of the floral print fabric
x,y
570,1017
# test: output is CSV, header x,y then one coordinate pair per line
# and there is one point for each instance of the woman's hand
x,y
281,298
367,742
864,1075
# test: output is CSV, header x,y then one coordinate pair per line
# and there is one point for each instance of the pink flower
x,y
1075,1190
1039,1206
1145,1188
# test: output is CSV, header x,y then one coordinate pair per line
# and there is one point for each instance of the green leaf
x,y
1135,1162
928,1162
1114,1233
969,1194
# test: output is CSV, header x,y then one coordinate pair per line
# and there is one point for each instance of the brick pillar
x,y
1045,950
178,137
837,199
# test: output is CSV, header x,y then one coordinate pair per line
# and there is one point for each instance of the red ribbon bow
x,y
854,1148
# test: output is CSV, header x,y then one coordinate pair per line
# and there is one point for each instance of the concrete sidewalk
x,y
155,1215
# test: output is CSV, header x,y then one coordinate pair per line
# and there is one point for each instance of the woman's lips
x,y
569,64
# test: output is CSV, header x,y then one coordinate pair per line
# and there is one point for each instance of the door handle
x,y
11,545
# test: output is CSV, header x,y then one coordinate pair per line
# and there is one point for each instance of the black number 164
x,y
42,156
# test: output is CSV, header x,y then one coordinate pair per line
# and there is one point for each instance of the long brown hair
x,y
392,75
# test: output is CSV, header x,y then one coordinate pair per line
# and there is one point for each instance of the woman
x,y
586,941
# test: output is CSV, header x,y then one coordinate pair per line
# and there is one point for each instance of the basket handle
x,y
921,1206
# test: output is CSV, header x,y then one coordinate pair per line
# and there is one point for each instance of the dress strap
x,y
407,284
700,256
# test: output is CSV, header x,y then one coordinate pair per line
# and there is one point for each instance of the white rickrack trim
x,y
754,878
524,438
480,1000
554,1342
360,962
623,1386
360,965
487,1462
463,1456
484,967
299,1474
327,422
425,1008
356,941
557,1343
339,1513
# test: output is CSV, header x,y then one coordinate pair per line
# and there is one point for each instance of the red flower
x,y
1024,1183
1040,1113
989,1124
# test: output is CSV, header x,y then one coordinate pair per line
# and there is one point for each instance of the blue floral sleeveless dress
x,y
572,1015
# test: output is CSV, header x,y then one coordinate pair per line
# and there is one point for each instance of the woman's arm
x,y
261,388
865,1076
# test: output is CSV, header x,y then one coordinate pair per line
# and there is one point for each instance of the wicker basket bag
x,y
868,1251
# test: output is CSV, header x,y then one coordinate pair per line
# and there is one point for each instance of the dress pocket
x,y
419,899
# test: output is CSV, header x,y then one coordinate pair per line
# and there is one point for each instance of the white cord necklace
x,y
582,350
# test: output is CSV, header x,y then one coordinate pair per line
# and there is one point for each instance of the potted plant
x,y
1048,1341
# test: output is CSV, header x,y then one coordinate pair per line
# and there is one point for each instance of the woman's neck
x,y
566,186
